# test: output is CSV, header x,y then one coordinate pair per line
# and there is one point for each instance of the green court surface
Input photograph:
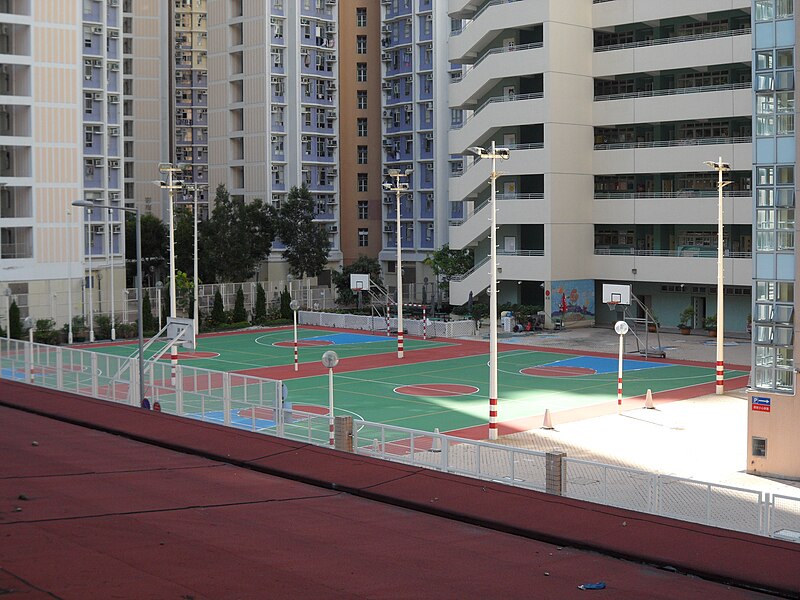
x,y
448,393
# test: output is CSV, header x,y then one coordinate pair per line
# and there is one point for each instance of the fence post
x,y
226,399
29,361
343,433
179,390
93,363
555,472
59,368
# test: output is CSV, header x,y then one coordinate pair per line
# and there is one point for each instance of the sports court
x,y
439,384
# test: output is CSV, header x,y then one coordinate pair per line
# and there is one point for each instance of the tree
x,y
155,243
286,300
306,241
239,313
217,310
341,280
236,238
14,322
148,322
184,241
260,315
447,263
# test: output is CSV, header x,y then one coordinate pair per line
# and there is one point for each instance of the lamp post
x,y
91,279
330,359
494,153
159,285
111,269
294,305
135,211
69,282
720,167
398,188
195,187
621,327
171,185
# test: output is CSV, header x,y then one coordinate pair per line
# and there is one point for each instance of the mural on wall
x,y
571,299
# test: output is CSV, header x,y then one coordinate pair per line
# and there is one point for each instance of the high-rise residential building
x,y
609,110
60,120
273,105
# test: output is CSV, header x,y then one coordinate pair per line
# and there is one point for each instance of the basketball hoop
x,y
612,305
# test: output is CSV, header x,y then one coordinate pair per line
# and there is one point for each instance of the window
x,y
363,182
361,99
363,237
361,44
361,72
361,16
759,446
363,209
362,155
361,127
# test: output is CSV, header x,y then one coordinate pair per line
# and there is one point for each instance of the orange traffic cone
x,y
548,424
648,402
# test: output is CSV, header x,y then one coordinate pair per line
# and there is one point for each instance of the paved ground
x,y
702,438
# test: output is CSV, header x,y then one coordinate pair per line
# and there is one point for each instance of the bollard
x,y
556,472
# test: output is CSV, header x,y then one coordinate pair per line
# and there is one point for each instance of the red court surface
x,y
99,500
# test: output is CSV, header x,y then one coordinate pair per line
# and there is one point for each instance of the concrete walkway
x,y
701,438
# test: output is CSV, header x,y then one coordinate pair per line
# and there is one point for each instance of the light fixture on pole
x,y
172,186
720,167
329,360
398,188
91,278
294,305
494,153
140,327
195,187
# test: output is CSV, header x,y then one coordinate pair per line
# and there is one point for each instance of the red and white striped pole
x,y
173,359
424,325
621,327
294,305
388,318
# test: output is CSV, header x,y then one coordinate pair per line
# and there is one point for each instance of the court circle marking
x,y
192,355
438,390
557,371
302,343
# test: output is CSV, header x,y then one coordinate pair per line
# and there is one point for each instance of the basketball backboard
x,y
359,282
617,293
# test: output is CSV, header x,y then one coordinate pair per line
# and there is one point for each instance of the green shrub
x,y
260,315
45,332
217,310
239,314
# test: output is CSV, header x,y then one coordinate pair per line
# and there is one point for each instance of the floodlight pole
x,y
494,153
91,280
398,189
720,378
69,279
196,311
110,216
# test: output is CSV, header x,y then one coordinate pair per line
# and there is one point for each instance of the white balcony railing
x,y
674,40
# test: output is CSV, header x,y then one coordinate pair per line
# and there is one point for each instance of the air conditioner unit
x,y
98,95
275,139
113,131
275,109
333,173
330,27
429,166
429,106
113,33
304,52
386,57
97,62
332,143
386,85
386,28
388,229
331,85
113,99
94,29
98,162
113,2
114,66
305,81
274,168
429,136
275,80
386,1
333,228
407,107
113,164
304,22
331,114
305,139
387,143
330,2
388,200
113,195
387,114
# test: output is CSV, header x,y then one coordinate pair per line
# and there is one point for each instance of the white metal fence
x,y
254,404
451,329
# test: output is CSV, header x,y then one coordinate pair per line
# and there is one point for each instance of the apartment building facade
x,y
609,111
60,122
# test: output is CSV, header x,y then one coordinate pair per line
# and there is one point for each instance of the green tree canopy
x,y
155,245
307,243
341,279
447,263
236,238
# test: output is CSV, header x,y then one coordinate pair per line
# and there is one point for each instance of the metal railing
x,y
674,40
478,13
480,264
254,404
675,91
687,252
674,143
679,194
495,100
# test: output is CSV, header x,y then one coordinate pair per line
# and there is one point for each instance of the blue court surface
x,y
601,364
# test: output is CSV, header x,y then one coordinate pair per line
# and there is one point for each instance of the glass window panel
x,y
765,241
764,60
764,197
765,219
785,218
784,197
784,313
784,80
765,125
785,240
785,357
765,104
785,101
763,378
783,380
764,312
765,10
765,290
785,174
765,81
785,291
763,334
784,9
765,356
785,58
785,124
765,175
